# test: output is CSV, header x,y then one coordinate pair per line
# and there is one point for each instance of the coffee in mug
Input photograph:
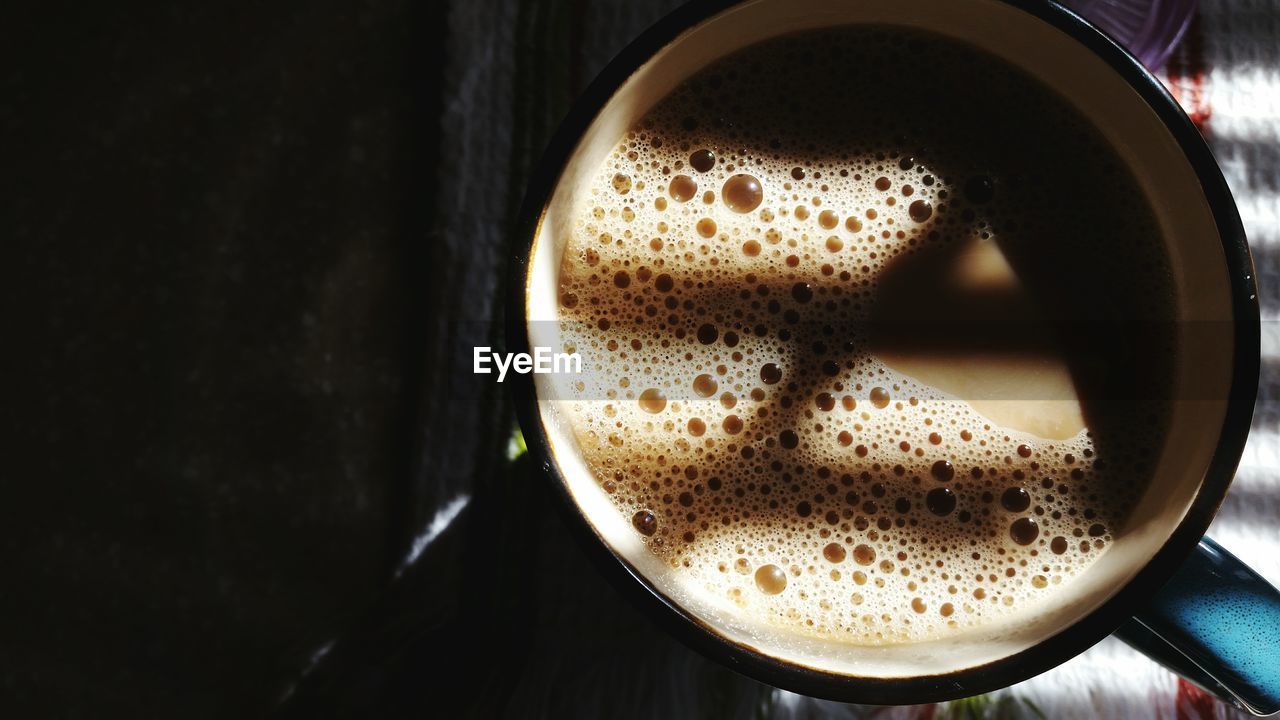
x,y
918,344
877,336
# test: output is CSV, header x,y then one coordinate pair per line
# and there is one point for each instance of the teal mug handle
x,y
1217,623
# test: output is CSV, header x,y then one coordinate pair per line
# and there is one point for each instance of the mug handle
x,y
1216,623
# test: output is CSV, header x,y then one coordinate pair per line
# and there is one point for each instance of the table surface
x,y
253,470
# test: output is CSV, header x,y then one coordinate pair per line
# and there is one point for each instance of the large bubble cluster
x,y
719,283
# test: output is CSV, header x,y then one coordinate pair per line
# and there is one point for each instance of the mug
x,y
1166,590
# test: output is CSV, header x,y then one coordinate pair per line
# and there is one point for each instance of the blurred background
x,y
249,247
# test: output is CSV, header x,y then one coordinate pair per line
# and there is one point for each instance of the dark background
x,y
221,216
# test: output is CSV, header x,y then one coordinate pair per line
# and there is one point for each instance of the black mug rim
x,y
1047,653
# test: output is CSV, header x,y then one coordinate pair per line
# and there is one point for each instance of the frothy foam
x,y
847,303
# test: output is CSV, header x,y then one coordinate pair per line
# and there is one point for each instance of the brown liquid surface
x,y
895,359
